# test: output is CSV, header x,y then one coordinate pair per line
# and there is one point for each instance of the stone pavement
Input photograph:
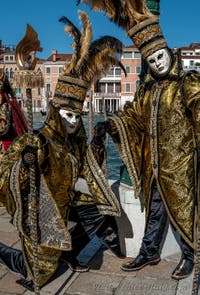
x,y
104,277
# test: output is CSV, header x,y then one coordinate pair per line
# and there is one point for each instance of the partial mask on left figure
x,y
160,61
71,120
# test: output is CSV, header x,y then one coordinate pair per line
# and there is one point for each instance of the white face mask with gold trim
x,y
159,62
70,119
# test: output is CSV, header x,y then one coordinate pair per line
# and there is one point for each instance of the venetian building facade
x,y
7,61
107,95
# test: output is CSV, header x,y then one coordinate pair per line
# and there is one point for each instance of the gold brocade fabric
x,y
59,168
158,140
61,162
104,197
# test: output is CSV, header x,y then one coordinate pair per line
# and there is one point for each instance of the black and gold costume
x,y
60,162
159,136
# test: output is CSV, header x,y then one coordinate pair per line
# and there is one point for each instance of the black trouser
x,y
91,222
155,230
13,259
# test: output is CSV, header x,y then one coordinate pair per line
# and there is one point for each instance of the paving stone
x,y
3,293
94,284
139,286
185,286
9,238
104,263
162,270
60,282
8,284
3,271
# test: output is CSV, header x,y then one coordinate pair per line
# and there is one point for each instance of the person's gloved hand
x,y
29,155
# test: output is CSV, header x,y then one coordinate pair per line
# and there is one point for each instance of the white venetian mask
x,y
160,61
71,120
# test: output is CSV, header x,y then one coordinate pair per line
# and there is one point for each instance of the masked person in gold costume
x,y
59,157
157,136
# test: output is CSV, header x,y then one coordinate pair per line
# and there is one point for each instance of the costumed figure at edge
x,y
157,136
58,154
12,120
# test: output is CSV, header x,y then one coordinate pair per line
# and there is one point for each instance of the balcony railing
x,y
191,68
107,95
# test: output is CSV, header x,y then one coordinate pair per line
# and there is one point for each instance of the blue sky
x,y
179,23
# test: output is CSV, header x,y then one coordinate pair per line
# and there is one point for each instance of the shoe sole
x,y
152,262
177,278
74,269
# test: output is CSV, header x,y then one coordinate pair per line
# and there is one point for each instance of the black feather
x,y
76,31
106,41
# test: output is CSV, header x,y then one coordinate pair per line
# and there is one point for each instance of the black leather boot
x,y
139,262
183,269
108,234
13,259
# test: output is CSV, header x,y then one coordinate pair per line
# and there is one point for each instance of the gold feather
x,y
90,58
86,38
28,44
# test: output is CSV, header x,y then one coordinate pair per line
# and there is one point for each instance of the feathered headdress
x,y
90,60
27,77
133,16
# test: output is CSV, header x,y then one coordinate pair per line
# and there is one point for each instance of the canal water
x,y
114,163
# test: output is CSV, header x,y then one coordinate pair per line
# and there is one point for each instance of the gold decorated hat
x,y
133,16
70,93
147,36
90,60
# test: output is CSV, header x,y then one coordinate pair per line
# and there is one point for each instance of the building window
x,y
137,54
117,72
138,70
6,57
48,70
127,70
117,87
39,91
127,55
11,73
110,87
11,57
60,69
191,62
128,87
102,88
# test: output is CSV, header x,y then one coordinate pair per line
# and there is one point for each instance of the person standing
x,y
157,136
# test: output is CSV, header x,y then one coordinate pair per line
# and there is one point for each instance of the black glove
x,y
29,155
99,133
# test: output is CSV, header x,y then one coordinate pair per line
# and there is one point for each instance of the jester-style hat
x,y
89,62
133,16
